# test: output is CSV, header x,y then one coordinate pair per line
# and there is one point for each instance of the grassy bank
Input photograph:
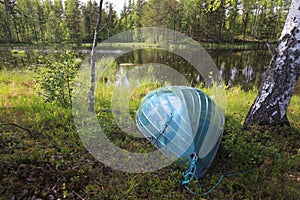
x,y
49,161
182,45
206,45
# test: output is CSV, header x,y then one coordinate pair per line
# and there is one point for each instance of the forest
x,y
71,21
72,107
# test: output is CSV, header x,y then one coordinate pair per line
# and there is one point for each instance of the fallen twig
x,y
33,134
78,195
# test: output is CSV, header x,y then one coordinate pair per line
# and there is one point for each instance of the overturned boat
x,y
182,122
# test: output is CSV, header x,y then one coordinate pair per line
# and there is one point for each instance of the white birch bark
x,y
93,61
270,106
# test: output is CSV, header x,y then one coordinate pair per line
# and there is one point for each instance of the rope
x,y
190,175
220,181
162,132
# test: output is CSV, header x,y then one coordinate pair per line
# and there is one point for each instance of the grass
x,y
207,46
53,163
17,52
250,45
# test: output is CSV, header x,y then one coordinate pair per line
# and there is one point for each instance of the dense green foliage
x,y
55,78
49,21
53,163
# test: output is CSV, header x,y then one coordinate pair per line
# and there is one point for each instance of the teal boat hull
x,y
182,122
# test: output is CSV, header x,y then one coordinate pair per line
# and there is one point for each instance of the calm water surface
x,y
238,68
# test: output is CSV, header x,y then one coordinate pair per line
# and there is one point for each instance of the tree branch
x,y
33,134
271,49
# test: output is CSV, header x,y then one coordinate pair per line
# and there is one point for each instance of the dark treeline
x,y
71,21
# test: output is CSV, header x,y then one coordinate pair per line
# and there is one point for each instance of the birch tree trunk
x,y
270,106
93,61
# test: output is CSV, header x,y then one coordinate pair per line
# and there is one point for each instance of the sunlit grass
x,y
14,51
294,111
15,86
207,46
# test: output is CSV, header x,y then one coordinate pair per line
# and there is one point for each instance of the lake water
x,y
238,68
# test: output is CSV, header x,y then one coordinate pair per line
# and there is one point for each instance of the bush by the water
x,y
55,78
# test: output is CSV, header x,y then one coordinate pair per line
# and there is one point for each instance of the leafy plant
x,y
55,78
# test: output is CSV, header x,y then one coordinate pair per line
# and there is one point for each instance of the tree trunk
x,y
93,61
270,106
245,23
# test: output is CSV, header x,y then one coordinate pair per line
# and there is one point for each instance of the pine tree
x,y
73,20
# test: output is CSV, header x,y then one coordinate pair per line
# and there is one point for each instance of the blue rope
x,y
189,175
217,184
162,132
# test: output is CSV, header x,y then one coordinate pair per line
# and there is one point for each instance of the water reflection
x,y
242,68
237,68
20,58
